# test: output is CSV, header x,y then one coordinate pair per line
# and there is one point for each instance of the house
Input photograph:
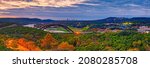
x,y
30,25
144,29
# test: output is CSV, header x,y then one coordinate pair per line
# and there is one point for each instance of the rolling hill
x,y
141,20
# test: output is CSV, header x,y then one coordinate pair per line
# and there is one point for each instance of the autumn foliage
x,y
133,49
48,41
21,45
64,46
29,39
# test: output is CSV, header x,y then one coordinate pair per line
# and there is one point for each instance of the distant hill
x,y
23,20
106,20
123,19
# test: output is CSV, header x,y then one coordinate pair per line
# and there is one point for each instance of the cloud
x,y
86,9
8,16
132,5
91,4
14,4
3,13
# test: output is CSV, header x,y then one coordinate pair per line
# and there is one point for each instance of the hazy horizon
x,y
72,19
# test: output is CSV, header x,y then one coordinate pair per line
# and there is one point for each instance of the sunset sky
x,y
74,9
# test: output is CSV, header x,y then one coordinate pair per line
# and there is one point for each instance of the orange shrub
x,y
65,47
133,49
32,47
22,42
109,48
21,45
48,41
11,43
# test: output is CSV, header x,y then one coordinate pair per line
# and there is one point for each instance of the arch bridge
x,y
45,26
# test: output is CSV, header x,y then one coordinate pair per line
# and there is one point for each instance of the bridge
x,y
45,26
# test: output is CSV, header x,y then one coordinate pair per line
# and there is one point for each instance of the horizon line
x,y
72,19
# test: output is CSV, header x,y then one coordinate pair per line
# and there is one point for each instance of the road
x,y
13,25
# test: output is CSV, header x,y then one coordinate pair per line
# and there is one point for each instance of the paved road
x,y
13,25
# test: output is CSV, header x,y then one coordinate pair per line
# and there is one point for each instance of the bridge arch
x,y
44,26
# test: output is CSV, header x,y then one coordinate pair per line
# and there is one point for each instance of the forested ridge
x,y
31,39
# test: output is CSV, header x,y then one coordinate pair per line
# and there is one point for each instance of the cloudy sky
x,y
74,9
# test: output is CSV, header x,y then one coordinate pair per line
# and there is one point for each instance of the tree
x,y
137,43
25,45
133,49
3,38
32,47
147,47
21,45
21,42
108,48
11,43
48,41
64,46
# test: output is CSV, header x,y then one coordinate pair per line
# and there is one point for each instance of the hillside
x,y
106,20
31,39
79,23
24,20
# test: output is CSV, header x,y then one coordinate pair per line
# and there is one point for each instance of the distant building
x,y
144,29
112,24
30,25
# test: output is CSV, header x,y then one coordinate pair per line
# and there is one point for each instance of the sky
x,y
74,9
